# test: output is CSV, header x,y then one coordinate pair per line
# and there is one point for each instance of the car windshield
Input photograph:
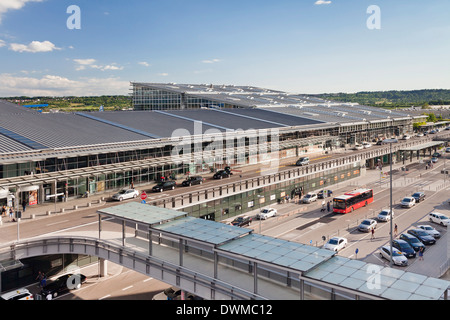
x,y
407,200
122,191
308,196
333,241
428,228
367,222
265,211
384,213
414,240
416,195
443,217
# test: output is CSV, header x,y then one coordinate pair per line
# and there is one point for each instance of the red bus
x,y
352,200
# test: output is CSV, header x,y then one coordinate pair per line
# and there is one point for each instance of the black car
x,y
192,180
63,284
222,174
404,247
419,196
424,237
436,155
413,241
241,221
167,185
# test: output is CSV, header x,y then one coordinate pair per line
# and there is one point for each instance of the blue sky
x,y
301,46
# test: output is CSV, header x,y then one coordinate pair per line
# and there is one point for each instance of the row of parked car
x,y
132,193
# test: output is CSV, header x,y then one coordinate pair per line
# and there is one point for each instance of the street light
x,y
260,218
390,141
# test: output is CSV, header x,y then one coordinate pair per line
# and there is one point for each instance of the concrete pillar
x,y
103,267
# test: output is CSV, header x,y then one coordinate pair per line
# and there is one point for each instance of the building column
x,y
103,264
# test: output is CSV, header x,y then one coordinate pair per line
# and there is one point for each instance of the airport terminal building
x,y
174,130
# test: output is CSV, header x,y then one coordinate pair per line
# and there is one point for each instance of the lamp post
x,y
259,202
390,141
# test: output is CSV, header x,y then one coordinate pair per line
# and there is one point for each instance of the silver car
x,y
398,258
367,225
430,230
385,215
125,194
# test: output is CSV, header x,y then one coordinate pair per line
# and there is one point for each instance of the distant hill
x,y
393,99
74,104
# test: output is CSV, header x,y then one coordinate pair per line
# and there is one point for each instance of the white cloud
x,y
2,43
143,63
211,61
53,85
33,47
319,2
6,5
84,63
163,74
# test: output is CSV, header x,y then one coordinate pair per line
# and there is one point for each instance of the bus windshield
x,y
339,204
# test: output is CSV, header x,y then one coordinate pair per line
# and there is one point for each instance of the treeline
x,y
72,104
394,99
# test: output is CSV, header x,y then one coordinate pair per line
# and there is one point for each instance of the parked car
x,y
433,131
434,159
385,215
404,247
310,197
420,134
424,237
406,137
408,202
222,174
303,161
166,185
336,244
358,147
63,284
413,241
367,225
447,149
430,230
125,194
366,145
439,218
19,294
266,213
241,221
379,142
419,196
397,256
192,180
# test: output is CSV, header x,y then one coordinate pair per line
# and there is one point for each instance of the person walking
x,y
328,206
421,253
395,230
24,205
39,277
3,211
323,206
373,234
11,213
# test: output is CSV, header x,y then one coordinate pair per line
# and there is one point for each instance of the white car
x,y
19,294
336,244
366,145
439,218
310,197
358,147
420,134
266,213
398,258
430,230
385,215
447,149
408,202
126,194
406,137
